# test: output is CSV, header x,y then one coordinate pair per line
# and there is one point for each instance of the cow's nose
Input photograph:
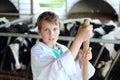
x,y
17,66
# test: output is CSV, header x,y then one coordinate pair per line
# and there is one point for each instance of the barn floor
x,y
14,76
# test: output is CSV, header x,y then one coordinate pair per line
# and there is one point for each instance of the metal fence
x,y
63,38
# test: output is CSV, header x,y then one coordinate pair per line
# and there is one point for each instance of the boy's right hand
x,y
84,32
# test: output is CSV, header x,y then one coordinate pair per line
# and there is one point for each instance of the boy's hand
x,y
87,54
84,33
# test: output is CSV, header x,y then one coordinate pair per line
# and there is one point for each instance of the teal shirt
x,y
57,52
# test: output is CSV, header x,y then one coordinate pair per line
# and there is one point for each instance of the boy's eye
x,y
46,29
55,29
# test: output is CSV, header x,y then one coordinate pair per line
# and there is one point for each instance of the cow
x,y
112,48
13,47
103,67
16,56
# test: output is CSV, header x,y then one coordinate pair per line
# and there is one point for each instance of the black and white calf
x,y
112,48
16,56
17,53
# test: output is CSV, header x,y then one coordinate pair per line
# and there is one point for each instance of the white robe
x,y
45,65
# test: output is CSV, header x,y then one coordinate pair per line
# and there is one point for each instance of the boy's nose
x,y
51,32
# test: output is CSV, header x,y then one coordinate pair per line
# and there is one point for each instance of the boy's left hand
x,y
86,54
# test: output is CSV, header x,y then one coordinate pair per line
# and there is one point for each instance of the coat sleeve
x,y
78,75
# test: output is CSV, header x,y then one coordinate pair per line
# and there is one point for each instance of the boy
x,y
51,60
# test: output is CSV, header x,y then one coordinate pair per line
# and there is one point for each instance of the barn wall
x,y
25,8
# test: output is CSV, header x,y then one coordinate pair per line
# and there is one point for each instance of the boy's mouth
x,y
51,39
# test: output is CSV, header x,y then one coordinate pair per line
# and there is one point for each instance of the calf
x,y
17,55
112,48
9,56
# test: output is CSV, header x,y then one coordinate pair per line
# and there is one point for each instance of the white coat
x,y
45,66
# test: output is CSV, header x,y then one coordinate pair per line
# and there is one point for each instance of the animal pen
x,y
4,75
27,75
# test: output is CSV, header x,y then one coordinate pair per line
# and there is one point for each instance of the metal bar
x,y
119,12
31,10
13,14
99,55
20,35
69,43
21,20
8,41
10,14
64,38
104,41
18,3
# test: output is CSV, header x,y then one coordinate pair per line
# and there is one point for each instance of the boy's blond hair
x,y
48,16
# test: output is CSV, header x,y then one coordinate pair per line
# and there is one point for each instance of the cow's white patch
x,y
15,51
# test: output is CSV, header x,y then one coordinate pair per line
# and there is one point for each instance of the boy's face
x,y
49,33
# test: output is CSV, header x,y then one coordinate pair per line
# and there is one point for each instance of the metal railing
x,y
70,39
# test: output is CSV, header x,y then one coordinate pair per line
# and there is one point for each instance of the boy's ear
x,y
59,31
39,32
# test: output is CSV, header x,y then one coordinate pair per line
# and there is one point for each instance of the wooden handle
x,y
85,48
